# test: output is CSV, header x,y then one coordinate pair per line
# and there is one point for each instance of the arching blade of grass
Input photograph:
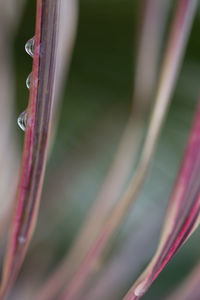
x,y
36,141
121,167
182,216
169,71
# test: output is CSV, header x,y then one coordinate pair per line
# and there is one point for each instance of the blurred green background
x,y
95,107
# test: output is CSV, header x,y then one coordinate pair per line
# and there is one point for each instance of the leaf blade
x,y
182,216
36,140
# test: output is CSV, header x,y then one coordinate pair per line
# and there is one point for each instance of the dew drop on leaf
x,y
22,120
28,81
21,239
29,47
140,289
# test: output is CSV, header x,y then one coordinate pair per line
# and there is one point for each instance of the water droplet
x,y
22,120
28,81
21,239
141,288
29,47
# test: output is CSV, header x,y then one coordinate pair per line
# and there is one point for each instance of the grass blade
x,y
36,141
182,215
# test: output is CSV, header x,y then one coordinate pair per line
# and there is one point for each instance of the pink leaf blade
x,y
182,216
36,140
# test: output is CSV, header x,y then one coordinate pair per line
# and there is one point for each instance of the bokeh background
x,y
96,102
